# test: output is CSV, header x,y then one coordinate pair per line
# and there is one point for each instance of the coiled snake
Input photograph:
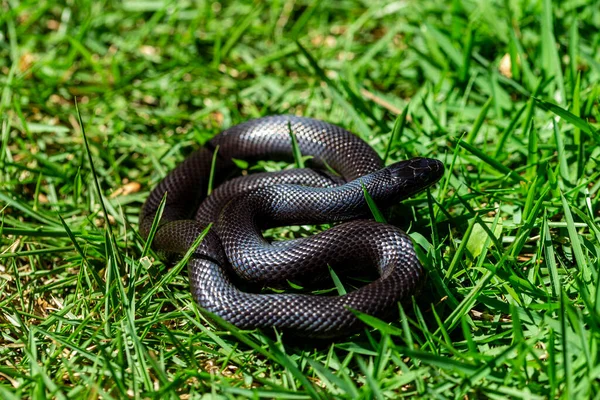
x,y
242,207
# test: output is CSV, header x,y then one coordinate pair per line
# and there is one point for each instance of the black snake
x,y
242,207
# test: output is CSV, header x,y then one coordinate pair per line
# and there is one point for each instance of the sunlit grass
x,y
504,93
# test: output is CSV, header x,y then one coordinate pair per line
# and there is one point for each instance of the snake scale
x,y
241,208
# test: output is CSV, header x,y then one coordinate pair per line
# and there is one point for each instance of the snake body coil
x,y
242,207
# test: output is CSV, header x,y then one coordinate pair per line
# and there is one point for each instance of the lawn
x,y
505,93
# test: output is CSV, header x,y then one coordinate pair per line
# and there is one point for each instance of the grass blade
x,y
109,231
569,117
580,259
490,161
213,164
295,148
396,132
377,215
154,227
479,121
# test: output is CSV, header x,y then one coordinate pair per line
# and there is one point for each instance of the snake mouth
x,y
416,174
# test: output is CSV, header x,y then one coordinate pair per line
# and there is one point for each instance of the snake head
x,y
414,175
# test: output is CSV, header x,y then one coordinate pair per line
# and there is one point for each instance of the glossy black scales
x,y
242,207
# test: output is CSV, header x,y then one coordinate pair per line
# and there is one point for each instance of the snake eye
x,y
417,173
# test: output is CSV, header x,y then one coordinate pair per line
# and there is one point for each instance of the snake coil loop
x,y
242,207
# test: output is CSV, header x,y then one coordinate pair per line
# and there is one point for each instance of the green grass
x,y
505,93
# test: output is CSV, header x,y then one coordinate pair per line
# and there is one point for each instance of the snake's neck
x,y
280,205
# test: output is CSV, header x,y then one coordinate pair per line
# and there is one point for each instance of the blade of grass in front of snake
x,y
173,272
396,131
330,169
154,227
377,215
212,171
295,148
337,282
